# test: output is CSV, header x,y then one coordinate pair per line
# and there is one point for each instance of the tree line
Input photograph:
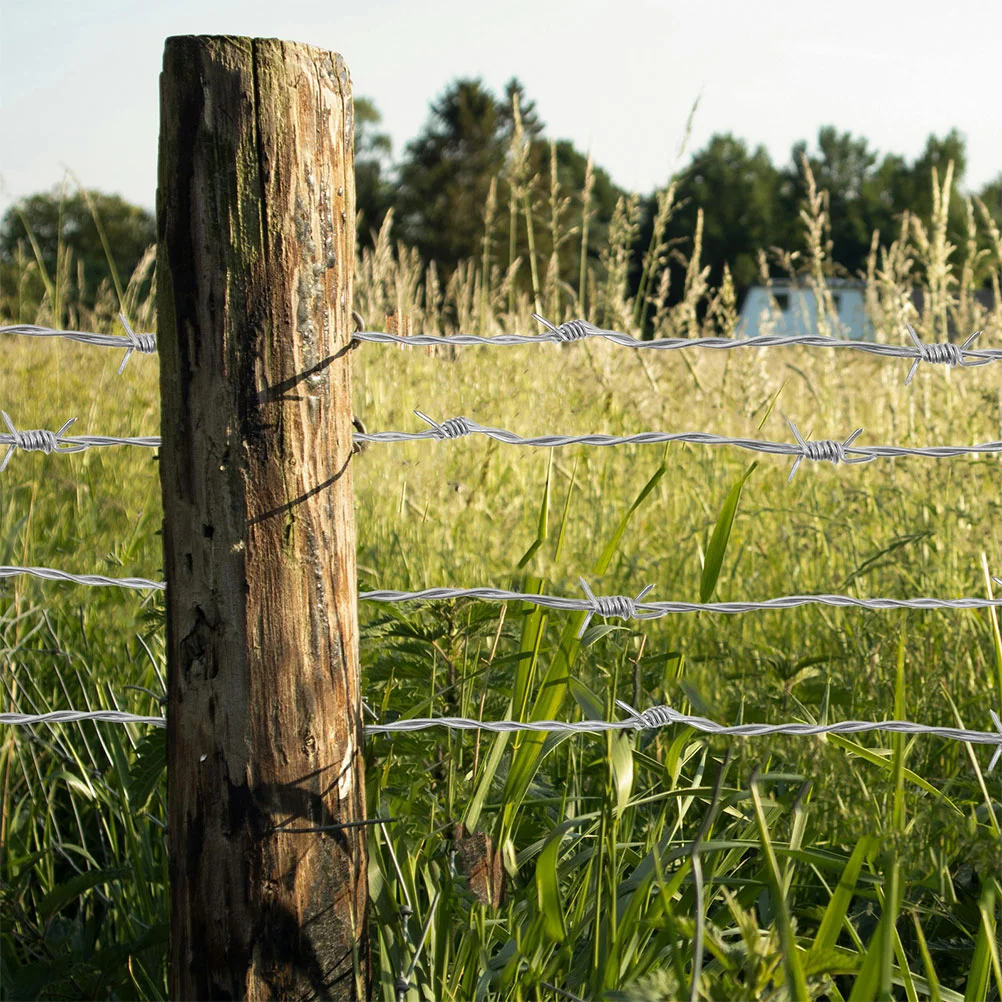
x,y
439,190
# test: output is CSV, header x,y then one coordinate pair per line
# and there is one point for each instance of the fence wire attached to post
x,y
826,450
619,606
942,353
654,718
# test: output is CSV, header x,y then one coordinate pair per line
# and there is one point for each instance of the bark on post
x,y
256,246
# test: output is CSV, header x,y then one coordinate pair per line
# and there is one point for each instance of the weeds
x,y
833,868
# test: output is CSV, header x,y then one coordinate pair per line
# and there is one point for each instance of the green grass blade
x,y
63,893
772,404
554,685
39,260
721,534
548,889
985,949
488,771
796,981
874,981
149,767
602,564
544,512
869,755
838,906
558,545
932,979
109,257
993,618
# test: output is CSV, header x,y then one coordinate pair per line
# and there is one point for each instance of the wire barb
x,y
455,427
651,718
36,440
570,330
944,353
826,449
42,440
145,343
620,606
998,751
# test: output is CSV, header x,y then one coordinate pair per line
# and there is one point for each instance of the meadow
x,y
599,866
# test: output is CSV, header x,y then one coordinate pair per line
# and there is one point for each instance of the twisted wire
x,y
146,344
621,606
826,450
654,718
48,574
655,610
72,716
944,353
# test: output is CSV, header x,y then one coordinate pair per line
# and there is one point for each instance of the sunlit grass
x,y
804,840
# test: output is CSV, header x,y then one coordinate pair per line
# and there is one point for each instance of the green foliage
x,y
749,203
63,235
373,186
446,172
827,869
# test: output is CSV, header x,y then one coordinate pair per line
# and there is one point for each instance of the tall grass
x,y
644,867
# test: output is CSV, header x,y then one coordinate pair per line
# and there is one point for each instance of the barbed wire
x,y
827,450
144,343
48,574
42,440
941,353
625,607
73,716
654,718
818,450
608,606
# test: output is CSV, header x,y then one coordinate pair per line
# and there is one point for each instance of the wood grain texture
x,y
256,245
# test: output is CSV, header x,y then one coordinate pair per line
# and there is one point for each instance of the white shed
x,y
798,313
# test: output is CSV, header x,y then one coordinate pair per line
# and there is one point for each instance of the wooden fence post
x,y
255,252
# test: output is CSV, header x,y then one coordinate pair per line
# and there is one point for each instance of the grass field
x,y
857,868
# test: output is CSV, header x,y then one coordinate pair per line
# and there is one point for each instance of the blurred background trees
x,y
438,193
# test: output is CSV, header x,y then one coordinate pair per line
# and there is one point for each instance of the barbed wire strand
x,y
42,440
826,450
943,353
654,718
618,606
143,343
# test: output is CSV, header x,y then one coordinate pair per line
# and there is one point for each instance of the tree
x,y
57,220
845,169
446,173
739,194
571,168
991,195
373,190
865,196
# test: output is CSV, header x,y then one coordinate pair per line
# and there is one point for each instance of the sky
x,y
79,80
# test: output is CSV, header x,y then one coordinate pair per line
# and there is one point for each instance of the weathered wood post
x,y
256,245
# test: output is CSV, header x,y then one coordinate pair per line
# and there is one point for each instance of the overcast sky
x,y
79,78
